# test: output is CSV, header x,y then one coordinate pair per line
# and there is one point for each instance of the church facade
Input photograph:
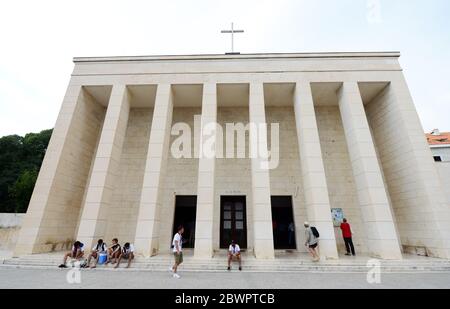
x,y
242,147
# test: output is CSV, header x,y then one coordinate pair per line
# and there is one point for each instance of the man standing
x,y
234,252
312,241
347,235
177,251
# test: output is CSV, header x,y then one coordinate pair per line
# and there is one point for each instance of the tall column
x,y
261,203
371,192
30,240
147,230
105,168
206,169
313,172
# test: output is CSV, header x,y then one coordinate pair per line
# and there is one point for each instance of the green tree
x,y
20,162
22,190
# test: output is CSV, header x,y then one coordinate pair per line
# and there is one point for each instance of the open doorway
x,y
283,222
185,214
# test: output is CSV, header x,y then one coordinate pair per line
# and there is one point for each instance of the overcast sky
x,y
39,39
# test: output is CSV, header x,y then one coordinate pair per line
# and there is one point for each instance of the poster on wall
x,y
337,215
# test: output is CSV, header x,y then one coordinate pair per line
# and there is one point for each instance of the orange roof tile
x,y
442,139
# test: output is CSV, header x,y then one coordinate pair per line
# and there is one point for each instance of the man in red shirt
x,y
347,234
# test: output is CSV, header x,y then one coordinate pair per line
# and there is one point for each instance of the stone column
x,y
313,172
261,203
29,240
206,169
147,229
372,196
105,168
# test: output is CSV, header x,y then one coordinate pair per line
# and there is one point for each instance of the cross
x,y
232,31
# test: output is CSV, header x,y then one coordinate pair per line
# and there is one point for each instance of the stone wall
x,y
9,230
180,179
444,173
338,170
285,180
56,203
419,205
122,216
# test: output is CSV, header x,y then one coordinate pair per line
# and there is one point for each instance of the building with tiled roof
x,y
440,145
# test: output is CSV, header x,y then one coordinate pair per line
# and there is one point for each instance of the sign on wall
x,y
337,215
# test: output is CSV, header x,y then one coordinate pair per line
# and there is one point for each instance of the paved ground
x,y
41,278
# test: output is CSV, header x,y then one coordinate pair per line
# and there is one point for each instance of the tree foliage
x,y
20,161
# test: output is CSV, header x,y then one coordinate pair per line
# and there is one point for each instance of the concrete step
x,y
162,264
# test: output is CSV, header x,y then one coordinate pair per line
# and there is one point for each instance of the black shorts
x,y
313,246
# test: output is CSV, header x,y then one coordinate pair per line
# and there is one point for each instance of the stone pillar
x,y
206,169
371,192
261,203
313,172
29,240
147,229
105,168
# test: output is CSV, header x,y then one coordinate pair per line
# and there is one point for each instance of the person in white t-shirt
x,y
177,244
76,253
234,252
99,248
126,253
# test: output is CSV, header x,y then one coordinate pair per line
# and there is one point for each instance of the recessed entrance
x,y
185,214
233,222
283,222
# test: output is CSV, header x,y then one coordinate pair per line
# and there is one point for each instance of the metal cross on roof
x,y
232,31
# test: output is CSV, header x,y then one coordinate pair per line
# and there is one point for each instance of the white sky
x,y
38,40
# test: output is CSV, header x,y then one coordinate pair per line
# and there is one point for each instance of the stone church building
x,y
342,131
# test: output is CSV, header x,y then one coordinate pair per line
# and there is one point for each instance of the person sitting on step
x,y
100,248
76,253
126,253
113,251
234,252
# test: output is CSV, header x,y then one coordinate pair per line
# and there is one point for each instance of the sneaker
x,y
177,276
240,268
229,268
171,269
62,266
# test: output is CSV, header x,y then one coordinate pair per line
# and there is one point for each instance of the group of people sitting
x,y
113,254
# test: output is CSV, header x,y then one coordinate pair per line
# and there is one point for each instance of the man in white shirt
x,y
126,253
234,252
100,248
177,251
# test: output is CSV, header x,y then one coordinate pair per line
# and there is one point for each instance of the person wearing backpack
x,y
312,241
100,248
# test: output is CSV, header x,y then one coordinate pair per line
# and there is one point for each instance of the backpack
x,y
315,232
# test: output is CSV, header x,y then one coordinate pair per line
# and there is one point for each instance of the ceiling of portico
x,y
279,94
187,95
101,94
232,95
325,94
370,90
142,95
